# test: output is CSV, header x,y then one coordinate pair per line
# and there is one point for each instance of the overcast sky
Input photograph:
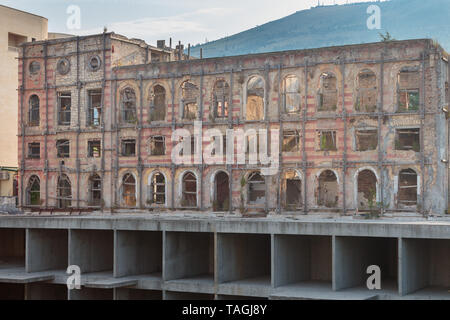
x,y
191,21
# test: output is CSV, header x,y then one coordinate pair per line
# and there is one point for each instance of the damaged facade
x,y
361,126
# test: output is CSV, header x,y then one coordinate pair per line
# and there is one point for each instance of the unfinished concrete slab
x,y
46,291
352,256
137,294
46,250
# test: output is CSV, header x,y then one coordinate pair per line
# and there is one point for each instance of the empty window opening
x,y
95,107
34,191
366,140
94,149
63,148
367,190
408,90
129,190
293,187
407,139
327,141
328,94
64,107
367,92
189,196
158,104
15,40
256,189
189,101
328,189
291,94
407,189
221,192
221,96
128,103
64,192
157,146
129,148
291,141
34,67
34,150
157,189
34,116
95,191
255,99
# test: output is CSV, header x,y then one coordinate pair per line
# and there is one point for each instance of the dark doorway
x,y
222,192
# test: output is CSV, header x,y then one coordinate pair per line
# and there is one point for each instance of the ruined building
x,y
361,127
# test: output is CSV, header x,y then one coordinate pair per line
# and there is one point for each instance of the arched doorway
x,y
328,189
367,189
407,188
221,192
129,190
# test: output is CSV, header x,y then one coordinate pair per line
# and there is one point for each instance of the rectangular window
x,y
408,90
366,140
64,106
95,107
407,139
291,141
34,150
94,149
157,146
327,141
63,148
129,148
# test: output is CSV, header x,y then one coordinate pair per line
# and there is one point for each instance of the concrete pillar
x,y
46,250
414,258
137,252
91,250
187,255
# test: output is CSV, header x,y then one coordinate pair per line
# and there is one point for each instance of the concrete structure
x,y
352,125
16,28
156,257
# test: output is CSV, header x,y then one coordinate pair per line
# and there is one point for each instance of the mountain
x,y
325,26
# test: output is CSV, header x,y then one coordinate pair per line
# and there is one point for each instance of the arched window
x,y
95,191
189,101
328,189
157,189
367,189
129,190
291,94
158,104
128,105
407,188
367,92
255,98
256,189
34,191
64,192
221,98
328,95
34,116
189,191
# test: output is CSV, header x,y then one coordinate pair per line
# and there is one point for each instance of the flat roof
x,y
32,14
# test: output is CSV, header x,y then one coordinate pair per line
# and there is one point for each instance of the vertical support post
x,y
116,122
139,142
380,135
199,143
22,128
46,171
344,158
102,123
422,135
280,153
230,126
79,85
174,125
304,154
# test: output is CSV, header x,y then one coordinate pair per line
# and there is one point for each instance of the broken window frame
x,y
257,91
34,150
416,147
34,191
298,179
64,192
189,101
157,189
407,92
322,90
128,103
221,98
325,146
129,180
124,144
92,145
255,179
63,148
34,111
64,112
404,202
95,111
296,137
95,190
189,199
295,95
359,132
153,142
363,91
157,111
